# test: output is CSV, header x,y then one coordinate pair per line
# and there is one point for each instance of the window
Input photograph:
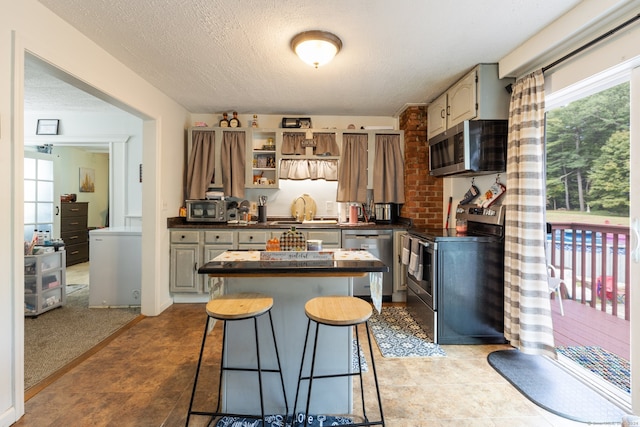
x,y
38,196
587,145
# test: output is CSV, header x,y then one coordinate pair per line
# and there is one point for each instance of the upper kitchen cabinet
x,y
480,94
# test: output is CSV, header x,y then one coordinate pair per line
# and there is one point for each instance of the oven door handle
x,y
427,245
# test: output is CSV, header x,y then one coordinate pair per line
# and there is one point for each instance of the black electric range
x,y
455,285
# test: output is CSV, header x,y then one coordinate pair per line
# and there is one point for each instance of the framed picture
x,y
87,180
47,127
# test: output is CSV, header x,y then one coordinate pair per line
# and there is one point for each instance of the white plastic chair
x,y
554,284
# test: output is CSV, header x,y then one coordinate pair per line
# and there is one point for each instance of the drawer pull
x,y
75,252
74,237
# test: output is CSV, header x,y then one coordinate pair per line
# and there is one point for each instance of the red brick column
x,y
423,192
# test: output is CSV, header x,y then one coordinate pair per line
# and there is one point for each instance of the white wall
x,y
28,26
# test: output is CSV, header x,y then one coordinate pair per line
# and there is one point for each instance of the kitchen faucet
x,y
304,208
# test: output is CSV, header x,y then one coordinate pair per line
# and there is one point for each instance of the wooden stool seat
x,y
239,306
338,310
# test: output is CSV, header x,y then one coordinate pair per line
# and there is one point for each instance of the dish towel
x,y
413,257
406,249
415,260
375,282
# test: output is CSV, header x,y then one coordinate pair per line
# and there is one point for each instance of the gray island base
x,y
291,284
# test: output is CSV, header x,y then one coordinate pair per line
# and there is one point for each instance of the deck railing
x,y
594,261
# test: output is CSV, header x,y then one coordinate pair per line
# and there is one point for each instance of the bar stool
x,y
338,311
234,307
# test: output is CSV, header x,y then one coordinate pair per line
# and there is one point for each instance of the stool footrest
x,y
250,370
332,376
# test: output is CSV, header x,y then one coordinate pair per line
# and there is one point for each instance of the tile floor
x,y
143,378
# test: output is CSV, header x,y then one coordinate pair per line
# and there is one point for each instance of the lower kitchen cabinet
x,y
399,269
253,239
190,249
330,238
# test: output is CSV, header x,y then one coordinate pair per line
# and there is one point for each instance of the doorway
x,y
588,212
95,135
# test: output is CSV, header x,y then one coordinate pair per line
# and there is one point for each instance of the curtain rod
x,y
592,42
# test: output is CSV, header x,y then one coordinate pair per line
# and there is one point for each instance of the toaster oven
x,y
206,210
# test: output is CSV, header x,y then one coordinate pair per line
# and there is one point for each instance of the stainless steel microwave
x,y
206,210
473,147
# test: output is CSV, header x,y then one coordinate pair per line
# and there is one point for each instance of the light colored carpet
x,y
56,337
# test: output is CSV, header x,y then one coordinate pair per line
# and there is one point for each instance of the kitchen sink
x,y
306,221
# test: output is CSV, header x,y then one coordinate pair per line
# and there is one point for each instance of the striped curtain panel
x,y
528,325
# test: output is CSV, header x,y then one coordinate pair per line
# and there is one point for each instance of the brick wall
x,y
423,192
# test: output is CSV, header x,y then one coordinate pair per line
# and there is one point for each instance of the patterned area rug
x,y
280,421
609,366
398,335
355,349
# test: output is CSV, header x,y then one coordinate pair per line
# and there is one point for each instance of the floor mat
x,y
553,389
398,335
607,365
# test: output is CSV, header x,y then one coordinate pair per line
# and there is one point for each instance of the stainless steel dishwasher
x,y
380,244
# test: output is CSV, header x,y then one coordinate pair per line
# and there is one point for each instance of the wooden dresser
x,y
73,231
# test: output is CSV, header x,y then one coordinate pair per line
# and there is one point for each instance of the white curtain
x,y
528,325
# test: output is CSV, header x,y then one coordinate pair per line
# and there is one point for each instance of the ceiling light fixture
x,y
316,47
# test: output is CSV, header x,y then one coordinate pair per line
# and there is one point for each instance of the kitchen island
x,y
291,283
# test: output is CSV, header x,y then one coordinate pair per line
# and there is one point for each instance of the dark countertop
x,y
296,268
181,222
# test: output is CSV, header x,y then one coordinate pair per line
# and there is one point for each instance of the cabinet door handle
x,y
448,110
442,113
195,266
57,210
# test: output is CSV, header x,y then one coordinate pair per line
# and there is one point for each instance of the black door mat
x,y
550,387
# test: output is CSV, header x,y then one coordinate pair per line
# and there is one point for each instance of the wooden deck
x,y
582,325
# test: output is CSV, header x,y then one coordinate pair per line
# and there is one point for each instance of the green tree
x,y
575,134
610,175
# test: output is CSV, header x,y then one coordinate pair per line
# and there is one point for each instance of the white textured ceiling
x,y
222,55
